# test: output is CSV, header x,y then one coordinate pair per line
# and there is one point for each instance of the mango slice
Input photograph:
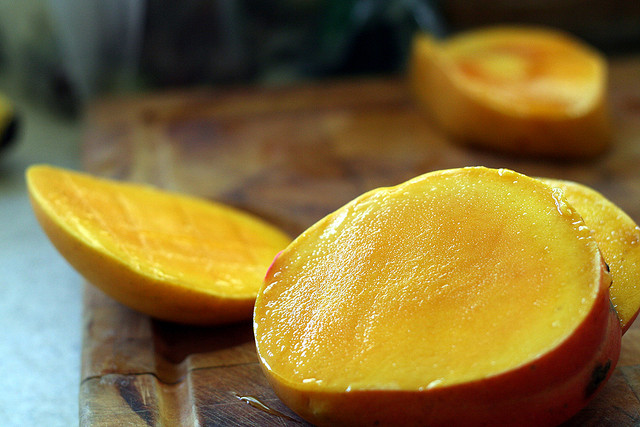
x,y
528,91
618,238
470,296
173,257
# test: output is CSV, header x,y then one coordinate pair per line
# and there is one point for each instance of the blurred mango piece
x,y
521,90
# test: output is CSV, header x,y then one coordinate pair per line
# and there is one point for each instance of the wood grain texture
x,y
290,155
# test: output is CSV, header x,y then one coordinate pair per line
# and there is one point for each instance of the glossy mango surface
x,y
470,288
168,255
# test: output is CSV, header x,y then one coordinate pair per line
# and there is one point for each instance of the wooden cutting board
x,y
290,155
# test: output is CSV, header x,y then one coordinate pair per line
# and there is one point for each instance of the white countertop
x,y
40,295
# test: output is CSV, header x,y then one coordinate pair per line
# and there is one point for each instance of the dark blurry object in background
x,y
8,123
370,36
610,25
194,41
226,41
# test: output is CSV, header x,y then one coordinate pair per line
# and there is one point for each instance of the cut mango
x,y
469,296
170,256
528,91
618,238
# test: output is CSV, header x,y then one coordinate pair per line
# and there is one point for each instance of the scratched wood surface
x,y
290,155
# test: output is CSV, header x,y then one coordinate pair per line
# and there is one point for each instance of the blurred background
x,y
57,56
65,52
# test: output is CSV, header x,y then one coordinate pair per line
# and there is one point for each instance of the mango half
x,y
520,90
470,296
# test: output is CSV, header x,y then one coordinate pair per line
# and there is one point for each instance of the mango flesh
x,y
529,91
618,237
171,256
455,285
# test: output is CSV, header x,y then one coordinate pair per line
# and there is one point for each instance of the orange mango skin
x,y
544,392
472,120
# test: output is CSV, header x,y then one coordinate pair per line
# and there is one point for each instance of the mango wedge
x,y
618,238
171,256
520,90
